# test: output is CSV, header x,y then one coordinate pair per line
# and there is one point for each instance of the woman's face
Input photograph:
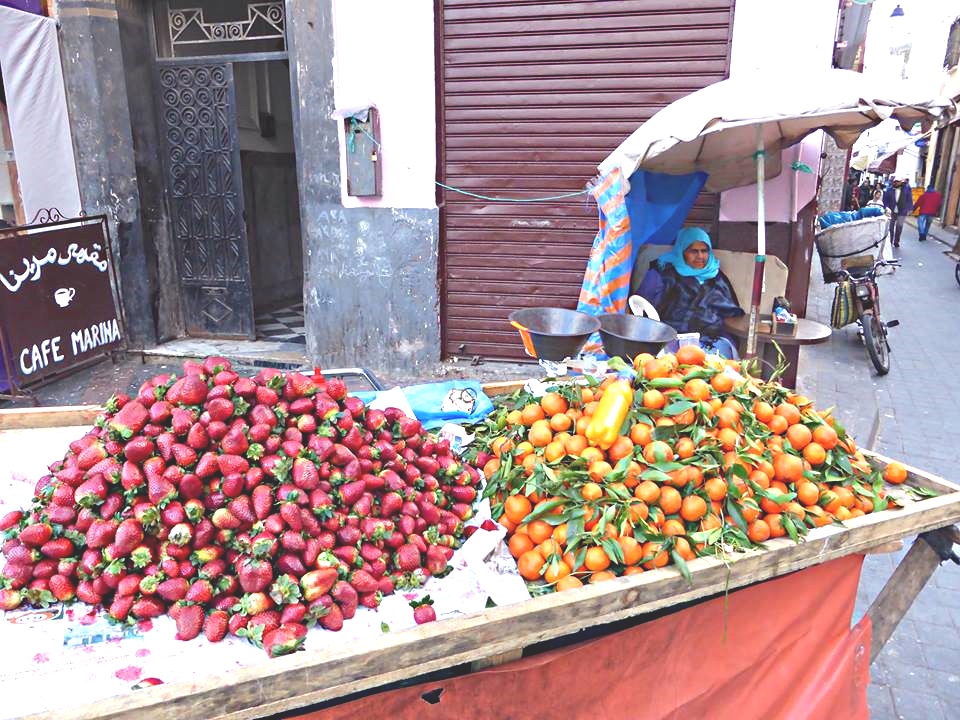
x,y
696,255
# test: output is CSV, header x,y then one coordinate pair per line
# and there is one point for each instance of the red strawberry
x,y
36,534
21,555
160,490
91,456
225,520
129,420
191,486
363,582
62,588
173,589
215,626
201,591
188,390
234,442
138,449
262,501
101,533
128,536
254,575
336,388
333,619
165,443
189,622
10,599
305,474
318,582
371,600
131,477
197,437
232,465
407,558
220,409
184,455
423,611
242,509
57,548
286,639
232,485
160,412
121,606
129,585
346,598
207,466
237,622
293,613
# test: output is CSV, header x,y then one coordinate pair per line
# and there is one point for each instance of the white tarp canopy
x,y
715,129
37,110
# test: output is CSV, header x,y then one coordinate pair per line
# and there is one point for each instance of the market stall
x,y
233,679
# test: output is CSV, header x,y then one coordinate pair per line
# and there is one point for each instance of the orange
x,y
815,454
516,508
778,424
799,436
560,534
693,508
685,418
639,510
522,450
763,411
591,491
697,389
641,434
556,571
758,531
540,433
895,473
634,470
568,582
621,448
631,549
654,399
575,445
722,383
657,556
749,509
716,488
788,412
727,417
760,478
602,576
788,468
691,355
670,500
775,522
519,544
554,451
539,531
672,527
711,522
561,422
514,417
554,403
826,436
531,413
807,493
728,438
795,509
529,462
632,570
653,369
586,395
684,447
596,559
530,563
658,451
493,464
648,491
683,549
599,469
501,445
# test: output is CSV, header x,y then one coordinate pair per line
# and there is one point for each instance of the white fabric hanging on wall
x,y
37,108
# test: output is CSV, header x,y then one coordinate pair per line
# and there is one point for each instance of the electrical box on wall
x,y
362,141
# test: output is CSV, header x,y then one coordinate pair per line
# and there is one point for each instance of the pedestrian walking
x,y
929,206
904,208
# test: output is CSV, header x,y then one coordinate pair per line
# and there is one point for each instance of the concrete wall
x,y
103,143
370,273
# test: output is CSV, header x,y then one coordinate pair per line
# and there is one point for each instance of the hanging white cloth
x,y
37,110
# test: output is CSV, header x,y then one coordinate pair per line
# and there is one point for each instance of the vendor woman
x,y
690,292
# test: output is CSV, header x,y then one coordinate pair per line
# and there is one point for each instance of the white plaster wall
x,y
384,56
770,37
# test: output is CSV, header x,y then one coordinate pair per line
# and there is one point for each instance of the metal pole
x,y
754,319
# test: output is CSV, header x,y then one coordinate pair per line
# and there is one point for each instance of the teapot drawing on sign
x,y
64,296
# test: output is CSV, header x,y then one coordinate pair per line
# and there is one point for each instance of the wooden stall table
x,y
809,332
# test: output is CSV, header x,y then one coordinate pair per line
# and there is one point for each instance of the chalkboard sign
x,y
57,303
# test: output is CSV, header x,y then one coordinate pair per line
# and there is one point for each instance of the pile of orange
x,y
710,458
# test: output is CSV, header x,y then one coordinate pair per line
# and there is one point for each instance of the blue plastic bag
x,y
452,401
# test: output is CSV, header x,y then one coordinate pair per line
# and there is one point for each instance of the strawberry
x,y
318,582
219,408
189,622
184,455
293,613
371,600
232,485
232,465
423,611
201,591
173,589
15,575
207,466
165,443
190,487
101,533
129,535
197,437
290,513
286,639
138,449
21,555
91,456
120,607
333,619
407,558
36,534
188,390
57,548
216,625
242,509
225,520
336,388
234,442
262,499
285,590
363,582
130,420
131,477
160,412
62,588
160,490
254,575
346,597
129,585
305,474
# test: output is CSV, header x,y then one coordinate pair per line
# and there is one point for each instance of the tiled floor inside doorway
x,y
285,324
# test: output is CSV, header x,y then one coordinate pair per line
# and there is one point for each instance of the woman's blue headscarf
x,y
685,238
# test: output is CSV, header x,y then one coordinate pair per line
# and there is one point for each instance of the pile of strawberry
x,y
255,506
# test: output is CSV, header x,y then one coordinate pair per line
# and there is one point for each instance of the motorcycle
x,y
866,297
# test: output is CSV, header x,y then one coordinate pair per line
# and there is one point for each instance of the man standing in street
x,y
904,208
929,206
890,203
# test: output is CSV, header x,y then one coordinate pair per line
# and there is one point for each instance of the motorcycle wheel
x,y
956,273
874,337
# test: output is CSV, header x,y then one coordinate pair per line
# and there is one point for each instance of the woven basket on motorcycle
x,y
858,240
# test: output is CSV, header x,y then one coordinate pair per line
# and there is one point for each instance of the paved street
x,y
917,677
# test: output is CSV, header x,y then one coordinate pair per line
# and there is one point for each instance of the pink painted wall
x,y
384,56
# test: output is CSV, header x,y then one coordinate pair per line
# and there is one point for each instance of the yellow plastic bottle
x,y
610,414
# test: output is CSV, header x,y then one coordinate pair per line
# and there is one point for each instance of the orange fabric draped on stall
x,y
780,649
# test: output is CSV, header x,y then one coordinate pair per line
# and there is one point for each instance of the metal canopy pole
x,y
754,319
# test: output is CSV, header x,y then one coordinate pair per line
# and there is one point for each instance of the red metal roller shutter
x,y
532,96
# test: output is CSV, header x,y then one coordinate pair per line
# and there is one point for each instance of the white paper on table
x,y
392,398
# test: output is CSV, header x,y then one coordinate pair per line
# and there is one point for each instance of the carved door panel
x,y
198,120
